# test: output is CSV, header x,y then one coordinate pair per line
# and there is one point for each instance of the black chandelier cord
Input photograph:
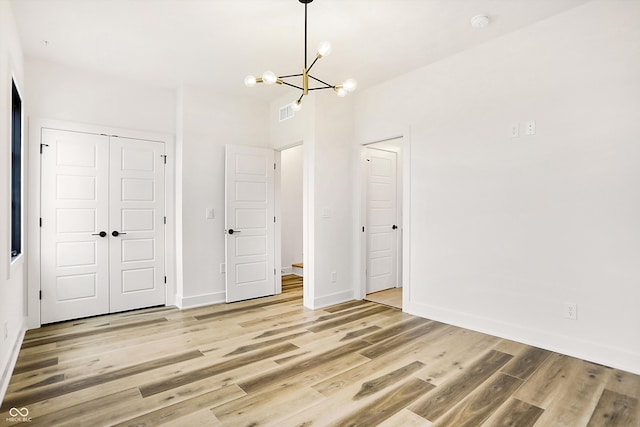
x,y
305,35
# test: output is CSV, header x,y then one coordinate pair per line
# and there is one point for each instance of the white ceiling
x,y
215,43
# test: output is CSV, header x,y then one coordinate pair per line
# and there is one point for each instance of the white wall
x,y
335,209
291,206
325,125
12,276
71,94
505,231
208,122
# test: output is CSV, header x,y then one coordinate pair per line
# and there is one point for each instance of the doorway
x,y
291,225
102,224
382,190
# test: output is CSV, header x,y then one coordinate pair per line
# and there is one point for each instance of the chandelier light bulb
x,y
350,85
296,106
268,77
324,48
342,92
250,81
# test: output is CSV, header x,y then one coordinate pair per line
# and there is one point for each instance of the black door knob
x,y
116,233
231,231
101,234
394,226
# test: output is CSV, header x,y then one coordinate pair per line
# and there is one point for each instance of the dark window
x,y
16,172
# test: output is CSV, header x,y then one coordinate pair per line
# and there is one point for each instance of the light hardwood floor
x,y
270,361
391,297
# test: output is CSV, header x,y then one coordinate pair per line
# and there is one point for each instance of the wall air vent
x,y
286,112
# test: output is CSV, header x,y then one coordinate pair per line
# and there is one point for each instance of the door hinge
x,y
164,156
40,222
274,271
165,219
274,219
363,228
43,145
40,295
165,279
274,166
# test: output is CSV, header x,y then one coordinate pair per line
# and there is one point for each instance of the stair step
x,y
298,265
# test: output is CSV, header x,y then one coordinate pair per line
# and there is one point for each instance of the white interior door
x,y
74,204
382,223
249,222
102,236
136,220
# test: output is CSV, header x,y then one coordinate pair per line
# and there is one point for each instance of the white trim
x,y
286,271
406,218
592,351
13,358
332,299
277,212
184,303
33,212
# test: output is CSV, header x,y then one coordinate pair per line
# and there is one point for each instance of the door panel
x,y
381,219
137,213
249,212
74,205
93,183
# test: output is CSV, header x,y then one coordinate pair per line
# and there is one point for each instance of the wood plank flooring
x,y
271,362
391,297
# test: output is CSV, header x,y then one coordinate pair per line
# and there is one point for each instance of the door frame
x,y
33,208
361,287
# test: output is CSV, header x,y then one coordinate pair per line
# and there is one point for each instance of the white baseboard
x,y
297,271
200,300
332,299
286,270
13,358
570,346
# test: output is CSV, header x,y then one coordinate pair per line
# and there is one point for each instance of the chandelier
x,y
324,49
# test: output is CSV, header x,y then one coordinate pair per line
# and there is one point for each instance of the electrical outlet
x,y
571,311
530,127
223,268
334,277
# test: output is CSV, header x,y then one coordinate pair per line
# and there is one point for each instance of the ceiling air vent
x,y
286,112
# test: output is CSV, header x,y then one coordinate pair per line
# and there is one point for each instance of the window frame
x,y
16,175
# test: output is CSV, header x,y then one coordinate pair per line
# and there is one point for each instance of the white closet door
x,y
136,224
74,204
381,220
249,223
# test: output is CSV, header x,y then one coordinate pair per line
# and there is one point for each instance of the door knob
x,y
116,233
101,234
394,226
231,231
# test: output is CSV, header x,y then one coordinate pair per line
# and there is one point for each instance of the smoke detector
x,y
479,21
